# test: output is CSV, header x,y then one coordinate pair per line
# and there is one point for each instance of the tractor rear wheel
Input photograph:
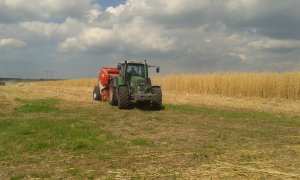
x,y
123,97
96,93
157,102
112,94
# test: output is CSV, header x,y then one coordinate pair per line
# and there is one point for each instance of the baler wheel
x,y
96,94
112,95
123,97
156,104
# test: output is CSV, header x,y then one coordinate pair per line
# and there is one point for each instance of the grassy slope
x,y
51,138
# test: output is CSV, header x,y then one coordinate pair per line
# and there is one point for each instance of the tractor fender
x,y
155,86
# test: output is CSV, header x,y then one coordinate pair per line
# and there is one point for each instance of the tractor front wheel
x,y
123,97
157,102
96,93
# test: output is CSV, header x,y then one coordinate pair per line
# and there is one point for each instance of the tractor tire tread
x,y
96,94
114,100
123,98
157,103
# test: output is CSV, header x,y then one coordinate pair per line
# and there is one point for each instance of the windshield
x,y
136,70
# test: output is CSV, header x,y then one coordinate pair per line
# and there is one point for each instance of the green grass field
x,y
58,138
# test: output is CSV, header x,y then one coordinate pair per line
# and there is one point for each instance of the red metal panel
x,y
105,74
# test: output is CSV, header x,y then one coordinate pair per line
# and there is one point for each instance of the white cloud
x,y
194,35
243,57
45,29
156,7
181,6
11,42
93,15
116,10
132,36
155,42
241,4
266,43
49,30
16,10
87,39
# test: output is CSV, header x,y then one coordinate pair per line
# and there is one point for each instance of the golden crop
x,y
249,84
71,83
265,85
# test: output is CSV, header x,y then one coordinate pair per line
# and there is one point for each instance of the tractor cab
x,y
133,73
136,70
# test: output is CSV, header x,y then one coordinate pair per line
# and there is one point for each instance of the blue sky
x,y
74,38
107,3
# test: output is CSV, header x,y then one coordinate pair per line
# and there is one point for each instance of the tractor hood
x,y
138,83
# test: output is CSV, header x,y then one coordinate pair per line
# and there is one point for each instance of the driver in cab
x,y
132,72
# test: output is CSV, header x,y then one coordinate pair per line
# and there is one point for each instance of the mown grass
x,y
19,135
96,140
26,135
37,106
233,114
141,142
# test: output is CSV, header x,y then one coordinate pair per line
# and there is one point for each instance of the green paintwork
x,y
135,76
120,80
134,82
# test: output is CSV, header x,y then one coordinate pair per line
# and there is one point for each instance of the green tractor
x,y
133,85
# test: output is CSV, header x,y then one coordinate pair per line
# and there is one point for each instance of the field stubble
x,y
195,136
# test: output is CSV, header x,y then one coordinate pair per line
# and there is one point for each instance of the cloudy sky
x,y
74,38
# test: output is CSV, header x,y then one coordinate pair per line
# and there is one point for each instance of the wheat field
x,y
266,85
246,84
90,82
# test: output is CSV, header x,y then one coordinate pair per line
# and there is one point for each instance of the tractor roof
x,y
134,62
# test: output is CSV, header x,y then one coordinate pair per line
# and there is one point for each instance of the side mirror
x,y
119,66
157,69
